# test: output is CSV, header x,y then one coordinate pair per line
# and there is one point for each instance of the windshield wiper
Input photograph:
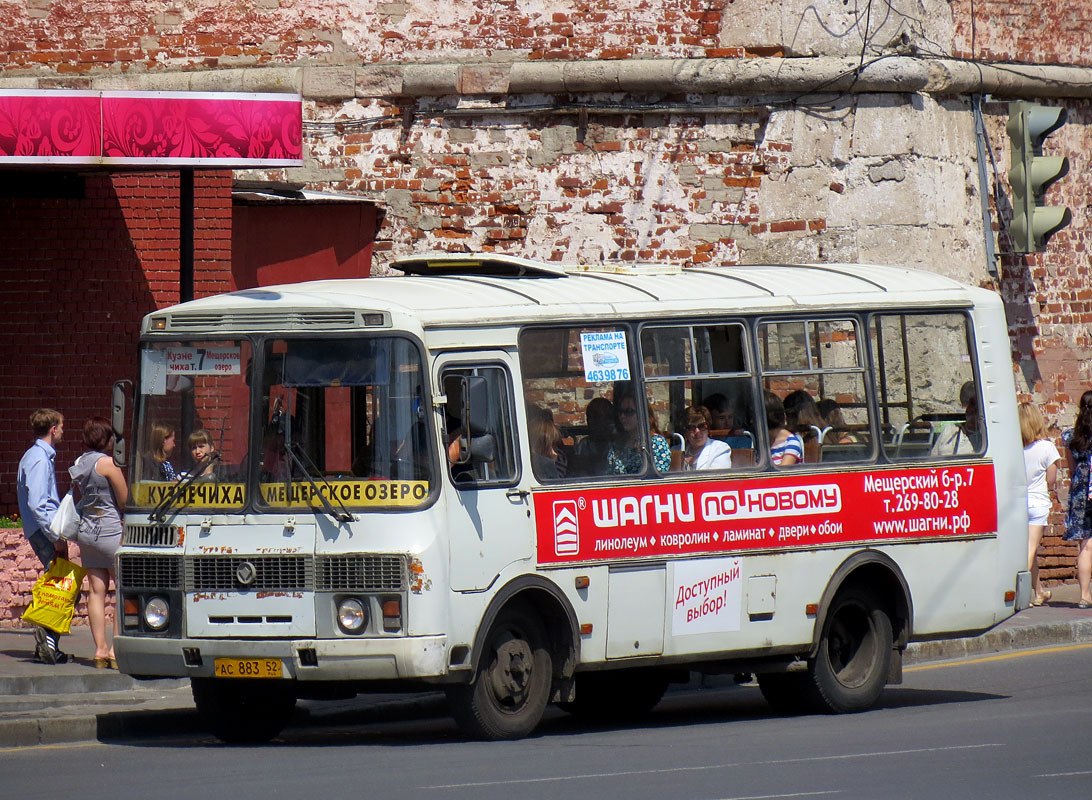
x,y
298,458
176,490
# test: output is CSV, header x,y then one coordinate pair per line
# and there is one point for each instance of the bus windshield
x,y
341,424
343,419
193,417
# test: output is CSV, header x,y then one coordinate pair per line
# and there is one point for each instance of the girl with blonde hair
x,y
1041,464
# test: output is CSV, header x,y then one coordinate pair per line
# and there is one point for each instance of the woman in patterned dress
x,y
1078,517
625,456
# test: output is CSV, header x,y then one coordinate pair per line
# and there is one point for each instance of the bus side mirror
x,y
117,420
476,404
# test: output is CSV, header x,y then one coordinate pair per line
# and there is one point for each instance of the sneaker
x,y
43,653
46,650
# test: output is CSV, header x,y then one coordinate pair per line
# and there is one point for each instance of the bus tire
x,y
787,693
620,695
851,666
243,711
512,684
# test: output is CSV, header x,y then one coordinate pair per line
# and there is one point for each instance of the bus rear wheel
x,y
854,659
243,711
512,685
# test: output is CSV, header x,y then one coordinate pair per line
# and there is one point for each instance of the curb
x,y
1000,640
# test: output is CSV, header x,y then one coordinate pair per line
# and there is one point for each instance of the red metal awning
x,y
143,129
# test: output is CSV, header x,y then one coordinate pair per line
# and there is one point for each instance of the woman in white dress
x,y
701,451
1041,459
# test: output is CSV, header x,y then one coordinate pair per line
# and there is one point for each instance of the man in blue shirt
x,y
36,486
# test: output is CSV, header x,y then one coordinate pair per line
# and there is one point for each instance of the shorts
x,y
1037,515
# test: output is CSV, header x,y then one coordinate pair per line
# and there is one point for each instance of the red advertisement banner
x,y
215,129
764,513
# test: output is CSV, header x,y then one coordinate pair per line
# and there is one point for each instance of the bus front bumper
x,y
388,658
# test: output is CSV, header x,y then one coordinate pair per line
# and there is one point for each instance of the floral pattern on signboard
x,y
49,126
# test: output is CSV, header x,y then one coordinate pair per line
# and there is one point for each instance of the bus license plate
x,y
247,668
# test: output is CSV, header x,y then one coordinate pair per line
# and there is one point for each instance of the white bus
x,y
487,475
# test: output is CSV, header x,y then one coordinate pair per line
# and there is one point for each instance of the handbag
x,y
54,596
66,522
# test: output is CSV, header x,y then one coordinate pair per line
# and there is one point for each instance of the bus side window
x,y
814,370
929,402
699,385
478,426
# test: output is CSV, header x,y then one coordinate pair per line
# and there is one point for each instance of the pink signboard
x,y
201,129
764,513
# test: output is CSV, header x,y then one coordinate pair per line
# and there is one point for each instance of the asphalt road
x,y
1009,726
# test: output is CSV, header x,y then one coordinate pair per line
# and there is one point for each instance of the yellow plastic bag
x,y
55,596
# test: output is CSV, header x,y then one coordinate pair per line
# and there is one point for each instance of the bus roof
x,y
459,290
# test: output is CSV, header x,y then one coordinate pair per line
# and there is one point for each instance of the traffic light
x,y
1031,173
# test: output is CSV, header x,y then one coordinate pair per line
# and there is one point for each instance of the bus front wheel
x,y
512,685
854,659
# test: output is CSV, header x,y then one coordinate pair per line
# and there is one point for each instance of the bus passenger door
x,y
488,504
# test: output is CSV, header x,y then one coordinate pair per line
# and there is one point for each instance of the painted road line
x,y
999,657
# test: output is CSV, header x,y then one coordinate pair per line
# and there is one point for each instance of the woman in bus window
x,y
544,439
786,448
701,451
1041,464
625,456
157,462
201,448
831,413
802,415
1078,518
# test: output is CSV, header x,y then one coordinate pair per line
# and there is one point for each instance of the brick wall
x,y
78,269
19,569
76,276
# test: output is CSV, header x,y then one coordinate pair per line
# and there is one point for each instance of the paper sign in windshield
x,y
156,365
605,356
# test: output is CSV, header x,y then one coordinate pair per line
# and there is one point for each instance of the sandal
x,y
1085,604
1039,599
104,663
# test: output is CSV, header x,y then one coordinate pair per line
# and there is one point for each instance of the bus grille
x,y
149,572
361,573
152,535
271,574
370,573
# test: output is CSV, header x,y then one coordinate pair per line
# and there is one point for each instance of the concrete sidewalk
x,y
73,702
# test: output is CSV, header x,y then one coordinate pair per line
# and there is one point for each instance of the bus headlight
x,y
352,616
157,613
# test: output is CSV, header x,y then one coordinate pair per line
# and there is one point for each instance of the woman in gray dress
x,y
103,495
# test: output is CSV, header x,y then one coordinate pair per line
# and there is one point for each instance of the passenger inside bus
x,y
786,448
834,423
701,451
590,453
199,443
964,437
723,420
545,440
802,418
626,456
157,465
